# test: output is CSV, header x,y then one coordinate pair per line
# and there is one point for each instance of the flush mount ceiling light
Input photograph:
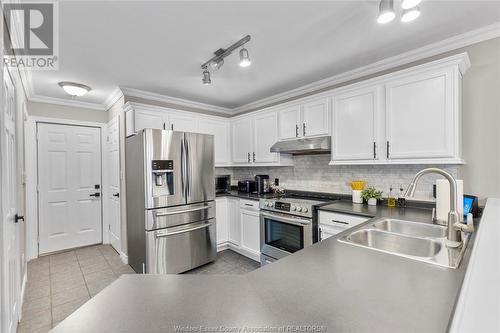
x,y
216,62
409,15
74,89
407,4
386,11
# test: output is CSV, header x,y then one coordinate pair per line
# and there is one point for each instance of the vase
x,y
372,202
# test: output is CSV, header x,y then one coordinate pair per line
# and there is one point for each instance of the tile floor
x,y
59,284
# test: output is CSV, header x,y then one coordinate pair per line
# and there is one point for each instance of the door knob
x,y
116,195
97,195
17,218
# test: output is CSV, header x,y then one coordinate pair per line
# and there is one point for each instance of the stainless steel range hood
x,y
318,145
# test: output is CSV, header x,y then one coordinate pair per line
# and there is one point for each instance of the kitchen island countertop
x,y
331,285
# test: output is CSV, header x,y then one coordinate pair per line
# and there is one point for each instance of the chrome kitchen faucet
x,y
455,227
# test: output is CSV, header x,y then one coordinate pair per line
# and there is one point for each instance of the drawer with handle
x,y
338,220
249,204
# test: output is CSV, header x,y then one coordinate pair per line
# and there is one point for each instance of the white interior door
x,y
113,149
10,232
69,180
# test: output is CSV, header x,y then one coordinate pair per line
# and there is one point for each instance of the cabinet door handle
x,y
172,127
248,157
254,156
296,130
304,129
374,150
341,222
387,149
164,126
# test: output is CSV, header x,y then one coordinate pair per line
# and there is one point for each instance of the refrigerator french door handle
x,y
183,211
188,171
183,166
171,233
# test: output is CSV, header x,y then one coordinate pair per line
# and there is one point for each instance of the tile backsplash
x,y
312,173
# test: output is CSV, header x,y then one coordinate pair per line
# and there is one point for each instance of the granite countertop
x,y
243,195
333,285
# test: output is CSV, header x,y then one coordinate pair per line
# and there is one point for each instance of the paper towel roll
x,y
443,199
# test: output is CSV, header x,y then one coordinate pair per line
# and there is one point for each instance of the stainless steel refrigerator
x,y
170,201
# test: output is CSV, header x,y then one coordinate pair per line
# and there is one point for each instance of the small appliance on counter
x,y
262,184
246,186
222,184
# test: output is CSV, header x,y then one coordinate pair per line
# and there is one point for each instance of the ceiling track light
x,y
386,11
216,62
407,4
410,11
206,77
411,14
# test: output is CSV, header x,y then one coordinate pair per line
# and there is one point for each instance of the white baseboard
x,y
222,247
23,289
124,258
244,252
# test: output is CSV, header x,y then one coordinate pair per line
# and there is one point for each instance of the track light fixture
x,y
409,11
407,4
409,15
206,77
244,58
216,62
386,11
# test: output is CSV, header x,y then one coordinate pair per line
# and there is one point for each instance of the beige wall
x,y
481,120
66,112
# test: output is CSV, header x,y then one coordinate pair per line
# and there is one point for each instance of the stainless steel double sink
x,y
413,240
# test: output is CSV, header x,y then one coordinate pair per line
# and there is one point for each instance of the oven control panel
x,y
294,208
283,206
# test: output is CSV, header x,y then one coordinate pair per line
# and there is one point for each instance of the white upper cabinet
x,y
311,118
137,120
315,118
420,116
253,136
354,125
413,116
179,122
220,130
139,116
265,135
242,141
289,120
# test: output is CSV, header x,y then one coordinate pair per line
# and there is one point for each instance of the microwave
x,y
222,184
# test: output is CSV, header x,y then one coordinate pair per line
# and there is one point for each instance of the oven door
x,y
282,234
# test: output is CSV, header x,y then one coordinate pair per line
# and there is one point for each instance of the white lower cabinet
x,y
222,220
238,226
250,228
331,223
234,232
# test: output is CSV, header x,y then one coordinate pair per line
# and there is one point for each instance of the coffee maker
x,y
262,184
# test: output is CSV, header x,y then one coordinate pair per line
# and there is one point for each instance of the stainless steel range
x,y
287,225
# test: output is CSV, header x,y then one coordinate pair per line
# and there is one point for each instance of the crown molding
x,y
174,100
446,45
113,98
66,102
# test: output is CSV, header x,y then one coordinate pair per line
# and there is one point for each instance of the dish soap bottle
x,y
391,201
